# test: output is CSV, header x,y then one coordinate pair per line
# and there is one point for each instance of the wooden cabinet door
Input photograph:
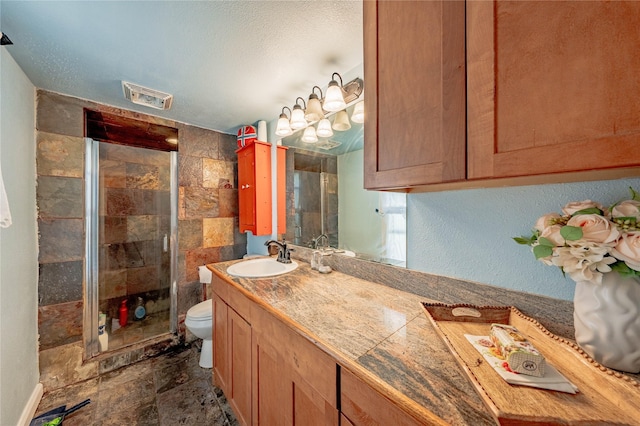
x,y
362,405
552,86
221,362
254,192
414,63
271,392
247,189
294,381
239,395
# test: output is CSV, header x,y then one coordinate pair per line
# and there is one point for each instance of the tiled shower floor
x,y
171,389
136,331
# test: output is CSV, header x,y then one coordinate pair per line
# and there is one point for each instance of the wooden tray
x,y
605,397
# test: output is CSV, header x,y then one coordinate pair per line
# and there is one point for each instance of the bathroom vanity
x,y
326,349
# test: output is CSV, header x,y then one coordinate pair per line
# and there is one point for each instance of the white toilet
x,y
199,321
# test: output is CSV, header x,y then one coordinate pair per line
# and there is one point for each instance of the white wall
x,y
19,374
467,234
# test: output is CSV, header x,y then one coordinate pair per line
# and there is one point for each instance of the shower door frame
x,y
91,269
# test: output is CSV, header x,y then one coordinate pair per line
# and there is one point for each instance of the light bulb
x,y
309,135
341,123
314,109
324,128
283,128
358,113
334,99
297,118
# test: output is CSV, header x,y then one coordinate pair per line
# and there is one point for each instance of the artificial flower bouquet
x,y
588,240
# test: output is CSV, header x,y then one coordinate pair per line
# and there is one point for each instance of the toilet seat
x,y
203,311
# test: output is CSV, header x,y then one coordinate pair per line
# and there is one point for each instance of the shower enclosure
x,y
315,191
131,250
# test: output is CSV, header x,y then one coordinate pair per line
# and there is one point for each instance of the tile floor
x,y
171,389
136,331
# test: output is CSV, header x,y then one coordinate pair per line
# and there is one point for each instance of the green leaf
x,y
634,194
523,240
590,210
571,233
545,242
622,268
542,251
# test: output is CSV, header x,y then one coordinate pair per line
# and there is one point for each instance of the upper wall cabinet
x,y
254,192
552,87
414,63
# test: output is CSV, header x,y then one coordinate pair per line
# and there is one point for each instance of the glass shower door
x,y
131,221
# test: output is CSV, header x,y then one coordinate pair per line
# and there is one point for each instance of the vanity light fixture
x,y
309,135
314,108
324,128
334,100
318,109
283,128
358,113
341,123
297,115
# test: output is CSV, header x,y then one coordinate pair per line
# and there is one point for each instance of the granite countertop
x,y
378,329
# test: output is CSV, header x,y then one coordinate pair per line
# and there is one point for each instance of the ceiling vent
x,y
147,97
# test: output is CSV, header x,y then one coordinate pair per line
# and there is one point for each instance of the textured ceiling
x,y
227,63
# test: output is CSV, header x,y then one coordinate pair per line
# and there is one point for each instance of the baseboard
x,y
31,406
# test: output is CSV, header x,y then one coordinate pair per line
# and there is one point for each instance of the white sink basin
x,y
260,267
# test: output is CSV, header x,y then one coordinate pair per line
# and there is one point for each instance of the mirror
x,y
325,195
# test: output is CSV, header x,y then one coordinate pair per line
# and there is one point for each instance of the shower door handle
x,y
165,243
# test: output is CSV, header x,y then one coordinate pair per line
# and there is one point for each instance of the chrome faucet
x,y
284,253
316,242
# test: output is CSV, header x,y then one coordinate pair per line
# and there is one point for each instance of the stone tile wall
x,y
207,227
134,215
304,222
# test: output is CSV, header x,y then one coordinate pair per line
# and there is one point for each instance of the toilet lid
x,y
201,311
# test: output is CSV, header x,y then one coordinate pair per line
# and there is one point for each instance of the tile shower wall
x,y
207,227
134,214
304,214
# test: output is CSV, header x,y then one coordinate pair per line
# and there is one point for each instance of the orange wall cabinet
x,y
254,188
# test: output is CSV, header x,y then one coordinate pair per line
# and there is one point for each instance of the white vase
x,y
607,321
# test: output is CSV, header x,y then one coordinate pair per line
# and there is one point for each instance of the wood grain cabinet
x,y
551,88
270,374
414,66
362,405
255,188
232,348
294,381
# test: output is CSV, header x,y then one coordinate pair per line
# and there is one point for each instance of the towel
x,y
5,213
552,379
